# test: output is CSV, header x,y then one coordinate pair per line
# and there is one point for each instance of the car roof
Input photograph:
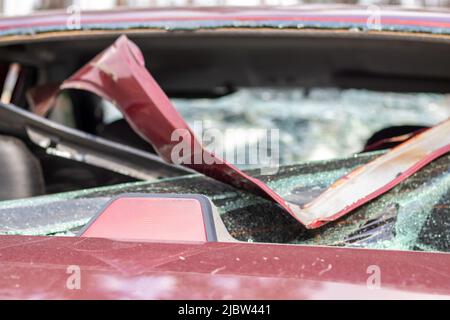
x,y
331,17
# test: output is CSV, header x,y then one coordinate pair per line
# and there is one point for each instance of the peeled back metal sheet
x,y
118,74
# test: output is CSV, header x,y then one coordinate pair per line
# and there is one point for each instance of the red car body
x,y
42,267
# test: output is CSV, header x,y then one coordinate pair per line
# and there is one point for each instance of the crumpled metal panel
x,y
118,75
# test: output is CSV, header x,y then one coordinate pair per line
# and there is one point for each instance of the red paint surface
x,y
36,267
161,219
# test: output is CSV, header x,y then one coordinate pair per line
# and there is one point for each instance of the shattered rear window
x,y
315,124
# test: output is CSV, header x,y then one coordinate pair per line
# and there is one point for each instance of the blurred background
x,y
22,7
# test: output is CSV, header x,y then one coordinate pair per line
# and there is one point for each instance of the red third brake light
x,y
155,217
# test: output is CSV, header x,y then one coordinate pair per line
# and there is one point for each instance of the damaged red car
x,y
225,153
